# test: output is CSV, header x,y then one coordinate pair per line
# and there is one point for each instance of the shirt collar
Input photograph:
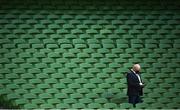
x,y
133,71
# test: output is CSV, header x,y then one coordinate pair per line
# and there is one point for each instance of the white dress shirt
x,y
137,76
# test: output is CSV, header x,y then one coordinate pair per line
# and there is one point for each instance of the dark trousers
x,y
135,99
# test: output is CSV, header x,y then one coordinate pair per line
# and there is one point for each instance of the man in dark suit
x,y
135,85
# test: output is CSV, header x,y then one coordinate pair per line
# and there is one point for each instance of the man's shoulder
x,y
129,73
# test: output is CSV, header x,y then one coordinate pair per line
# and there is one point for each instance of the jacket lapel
x,y
134,74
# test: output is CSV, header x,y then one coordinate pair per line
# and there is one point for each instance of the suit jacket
x,y
133,84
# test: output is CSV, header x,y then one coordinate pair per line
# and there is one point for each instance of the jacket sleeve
x,y
131,82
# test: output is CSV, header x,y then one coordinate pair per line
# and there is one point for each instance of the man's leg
x,y
132,99
138,99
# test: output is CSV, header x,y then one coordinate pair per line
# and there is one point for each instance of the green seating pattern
x,y
74,54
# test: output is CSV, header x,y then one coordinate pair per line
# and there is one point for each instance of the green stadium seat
x,y
89,50
142,106
70,101
120,86
169,95
75,50
109,46
28,86
76,31
27,76
91,31
37,46
19,81
30,106
92,41
30,96
54,26
39,55
103,50
109,55
26,65
80,46
110,105
157,105
108,70
62,60
66,46
21,101
126,106
173,105
73,75
122,46
63,106
96,80
151,46
92,95
85,65
63,41
96,27
164,100
99,36
137,46
13,96
102,75
80,17
94,106
35,81
59,86
62,31
45,96
149,100
85,100
111,80
13,86
105,31
83,90
95,46
74,85
69,55
84,36
42,76
75,22
38,101
120,31
61,95
52,46
104,85
52,91
46,106
33,60
71,65
176,99
89,86
78,70
78,105
106,60
76,95
12,76
53,101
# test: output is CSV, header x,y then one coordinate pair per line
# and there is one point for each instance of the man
x,y
135,85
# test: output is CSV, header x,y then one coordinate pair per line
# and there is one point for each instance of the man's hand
x,y
142,84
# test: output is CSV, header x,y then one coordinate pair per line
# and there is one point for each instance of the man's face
x,y
137,70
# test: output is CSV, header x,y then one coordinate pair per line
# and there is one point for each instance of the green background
x,y
75,53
